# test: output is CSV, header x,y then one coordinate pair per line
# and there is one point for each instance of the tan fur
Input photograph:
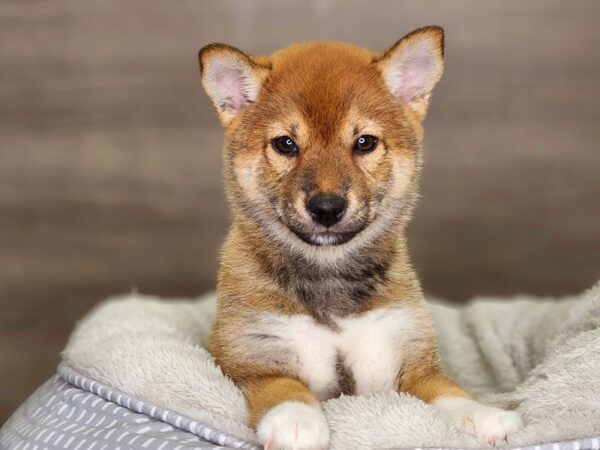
x,y
263,394
323,95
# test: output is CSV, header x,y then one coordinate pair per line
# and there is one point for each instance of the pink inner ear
x,y
413,72
232,83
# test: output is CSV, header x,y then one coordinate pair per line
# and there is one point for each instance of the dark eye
x,y
285,145
365,144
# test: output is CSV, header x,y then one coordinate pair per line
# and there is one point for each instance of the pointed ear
x,y
231,79
412,67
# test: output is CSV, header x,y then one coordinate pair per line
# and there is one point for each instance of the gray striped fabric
x,y
72,412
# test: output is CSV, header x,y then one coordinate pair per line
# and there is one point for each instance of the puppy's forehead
x,y
324,82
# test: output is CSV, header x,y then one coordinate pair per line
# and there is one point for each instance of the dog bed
x,y
135,375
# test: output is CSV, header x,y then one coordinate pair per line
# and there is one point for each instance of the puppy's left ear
x,y
231,79
412,67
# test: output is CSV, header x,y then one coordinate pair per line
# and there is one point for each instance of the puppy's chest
x,y
360,354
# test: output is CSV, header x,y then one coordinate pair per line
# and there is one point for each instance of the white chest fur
x,y
370,347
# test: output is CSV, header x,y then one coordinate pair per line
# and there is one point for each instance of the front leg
x,y
286,414
477,419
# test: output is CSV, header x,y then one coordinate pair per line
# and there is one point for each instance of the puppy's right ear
x,y
231,79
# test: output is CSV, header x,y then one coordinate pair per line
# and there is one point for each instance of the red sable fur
x,y
321,94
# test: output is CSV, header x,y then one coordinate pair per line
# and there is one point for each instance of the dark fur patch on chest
x,y
338,290
346,381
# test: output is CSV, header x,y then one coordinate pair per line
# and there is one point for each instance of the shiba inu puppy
x,y
317,295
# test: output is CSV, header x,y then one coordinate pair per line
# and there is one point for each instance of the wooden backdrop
x,y
110,154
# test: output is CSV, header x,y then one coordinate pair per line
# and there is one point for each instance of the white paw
x,y
489,423
294,426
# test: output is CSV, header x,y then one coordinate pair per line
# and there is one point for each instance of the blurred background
x,y
110,156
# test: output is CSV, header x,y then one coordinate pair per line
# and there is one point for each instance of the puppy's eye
x,y
365,144
285,145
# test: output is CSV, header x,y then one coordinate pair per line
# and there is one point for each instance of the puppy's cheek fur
x,y
359,207
279,165
298,207
246,174
371,163
402,173
254,190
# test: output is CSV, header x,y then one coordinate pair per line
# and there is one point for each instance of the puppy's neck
x,y
347,285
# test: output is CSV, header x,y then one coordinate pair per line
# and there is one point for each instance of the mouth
x,y
323,238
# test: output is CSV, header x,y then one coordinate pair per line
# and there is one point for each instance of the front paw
x,y
489,423
294,426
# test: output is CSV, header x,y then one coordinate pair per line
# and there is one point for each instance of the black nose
x,y
326,209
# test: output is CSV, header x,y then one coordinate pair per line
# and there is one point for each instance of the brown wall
x,y
110,155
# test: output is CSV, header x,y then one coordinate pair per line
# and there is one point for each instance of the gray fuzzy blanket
x,y
538,356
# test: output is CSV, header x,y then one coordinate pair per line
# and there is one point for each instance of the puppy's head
x,y
323,139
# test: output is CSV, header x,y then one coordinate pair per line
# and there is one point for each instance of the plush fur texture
x,y
315,302
539,357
